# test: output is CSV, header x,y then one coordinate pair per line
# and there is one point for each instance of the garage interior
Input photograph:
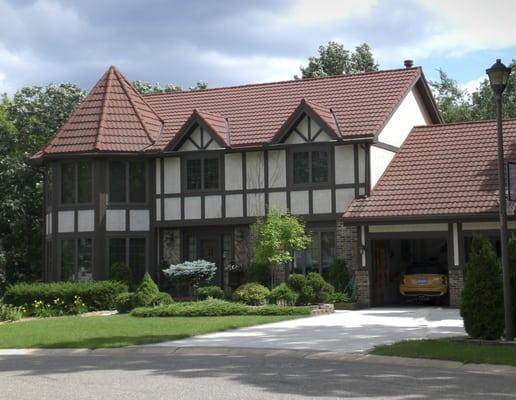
x,y
392,257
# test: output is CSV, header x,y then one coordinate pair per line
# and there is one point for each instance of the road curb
x,y
299,354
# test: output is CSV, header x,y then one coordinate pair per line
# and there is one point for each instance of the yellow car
x,y
423,282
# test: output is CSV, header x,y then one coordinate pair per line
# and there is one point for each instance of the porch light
x,y
498,76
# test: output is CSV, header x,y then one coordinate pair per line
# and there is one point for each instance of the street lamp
x,y
498,77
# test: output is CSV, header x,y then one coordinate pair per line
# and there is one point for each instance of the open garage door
x,y
392,258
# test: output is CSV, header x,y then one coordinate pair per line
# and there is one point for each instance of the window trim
x,y
76,183
309,148
218,155
126,163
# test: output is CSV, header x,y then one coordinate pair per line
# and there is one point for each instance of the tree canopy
x,y
153,88
334,59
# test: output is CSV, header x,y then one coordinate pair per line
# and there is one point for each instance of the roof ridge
x,y
341,76
103,108
478,121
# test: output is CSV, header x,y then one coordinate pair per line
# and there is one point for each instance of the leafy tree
x,y
482,297
27,122
453,102
153,88
334,59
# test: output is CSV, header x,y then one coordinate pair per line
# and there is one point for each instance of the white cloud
x,y
472,85
310,12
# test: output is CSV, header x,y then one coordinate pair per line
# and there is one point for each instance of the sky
x,y
231,42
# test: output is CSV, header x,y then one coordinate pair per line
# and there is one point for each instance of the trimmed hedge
x,y
204,293
96,296
145,293
215,308
283,294
251,293
120,272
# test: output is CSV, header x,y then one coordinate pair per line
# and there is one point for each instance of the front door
x,y
209,251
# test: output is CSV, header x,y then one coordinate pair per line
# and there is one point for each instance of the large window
x,y
76,182
76,259
318,256
127,181
202,173
310,167
130,251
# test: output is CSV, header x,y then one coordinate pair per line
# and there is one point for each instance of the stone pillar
x,y
171,246
455,284
363,287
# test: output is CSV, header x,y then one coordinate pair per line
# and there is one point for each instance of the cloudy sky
x,y
227,42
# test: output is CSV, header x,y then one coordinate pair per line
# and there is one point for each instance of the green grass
x,y
452,350
116,330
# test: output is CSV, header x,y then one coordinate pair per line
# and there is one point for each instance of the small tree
x,y
482,300
339,275
192,272
278,235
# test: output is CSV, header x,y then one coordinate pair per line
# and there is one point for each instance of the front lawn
x,y
453,350
116,330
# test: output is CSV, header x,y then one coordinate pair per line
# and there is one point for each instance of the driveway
x,y
343,331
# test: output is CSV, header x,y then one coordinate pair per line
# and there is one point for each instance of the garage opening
x,y
392,258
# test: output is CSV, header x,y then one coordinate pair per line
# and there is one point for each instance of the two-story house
x,y
181,176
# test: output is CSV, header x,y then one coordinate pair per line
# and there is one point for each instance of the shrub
x,y
10,313
482,298
339,275
120,272
283,295
146,292
213,308
193,272
258,273
296,282
340,297
206,292
311,288
162,299
56,308
251,293
99,295
124,302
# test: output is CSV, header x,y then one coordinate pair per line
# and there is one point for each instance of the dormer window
x,y
202,172
310,167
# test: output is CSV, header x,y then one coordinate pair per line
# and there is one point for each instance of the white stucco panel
x,y
380,159
255,170
172,208
48,223
277,168
115,220
193,207
66,221
233,171
344,164
409,113
343,198
213,207
234,206
85,220
299,202
321,201
139,220
255,204
172,175
158,209
278,200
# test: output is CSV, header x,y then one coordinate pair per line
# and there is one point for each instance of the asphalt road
x,y
128,375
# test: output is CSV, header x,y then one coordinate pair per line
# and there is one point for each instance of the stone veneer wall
x,y
456,284
171,246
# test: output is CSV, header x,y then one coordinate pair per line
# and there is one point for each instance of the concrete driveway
x,y
343,331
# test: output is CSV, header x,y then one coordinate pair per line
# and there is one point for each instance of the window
x,y
318,256
191,254
76,259
127,180
76,182
202,173
130,251
227,250
310,167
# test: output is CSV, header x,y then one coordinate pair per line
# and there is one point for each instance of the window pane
x,y
67,260
301,168
211,173
137,181
84,260
117,251
327,252
193,174
117,182
84,181
192,249
227,250
320,167
68,183
313,254
137,258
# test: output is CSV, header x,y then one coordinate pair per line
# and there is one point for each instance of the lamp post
x,y
498,77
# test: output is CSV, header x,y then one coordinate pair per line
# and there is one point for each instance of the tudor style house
x,y
181,176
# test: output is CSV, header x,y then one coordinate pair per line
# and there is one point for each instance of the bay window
x,y
127,181
76,182
76,259
131,252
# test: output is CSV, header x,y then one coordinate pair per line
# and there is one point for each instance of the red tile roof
x,y
115,118
112,118
440,170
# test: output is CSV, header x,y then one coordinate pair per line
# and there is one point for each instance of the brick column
x,y
456,284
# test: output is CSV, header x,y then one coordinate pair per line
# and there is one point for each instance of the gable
x,y
199,138
307,130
